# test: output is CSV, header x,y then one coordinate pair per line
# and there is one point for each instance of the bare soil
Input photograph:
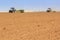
x,y
30,26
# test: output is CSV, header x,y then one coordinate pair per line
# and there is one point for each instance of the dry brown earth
x,y
30,26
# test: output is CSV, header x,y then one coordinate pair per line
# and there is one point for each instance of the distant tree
x,y
49,10
21,11
54,11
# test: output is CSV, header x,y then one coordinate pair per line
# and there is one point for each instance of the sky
x,y
35,5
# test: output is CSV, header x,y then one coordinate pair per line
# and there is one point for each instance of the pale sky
x,y
30,4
